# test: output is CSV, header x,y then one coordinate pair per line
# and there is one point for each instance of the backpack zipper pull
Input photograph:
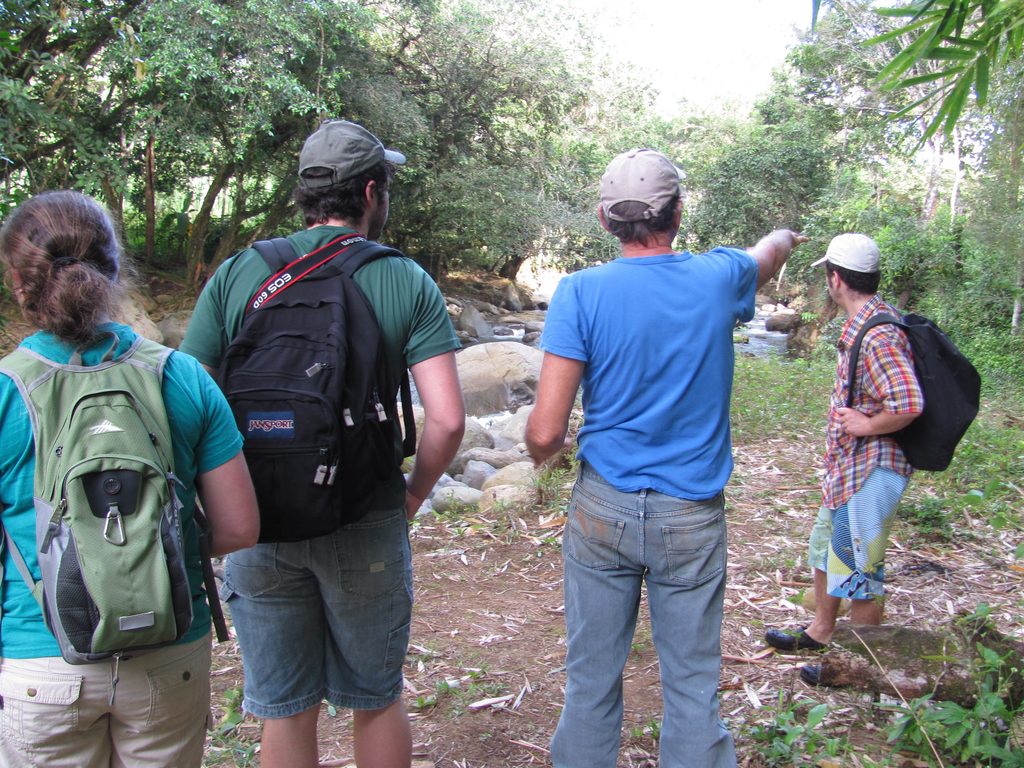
x,y
54,525
114,521
315,368
115,676
377,407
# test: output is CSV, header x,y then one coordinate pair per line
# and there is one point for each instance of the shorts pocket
x,y
38,708
592,540
695,553
251,572
373,559
179,691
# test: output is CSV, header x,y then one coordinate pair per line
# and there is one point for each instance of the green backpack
x,y
108,517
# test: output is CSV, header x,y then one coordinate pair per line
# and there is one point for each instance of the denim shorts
x,y
325,618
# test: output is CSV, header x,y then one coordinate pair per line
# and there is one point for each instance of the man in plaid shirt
x,y
866,473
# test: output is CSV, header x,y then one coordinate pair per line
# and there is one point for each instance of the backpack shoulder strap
x,y
295,268
357,257
361,254
35,587
17,366
27,370
277,252
872,322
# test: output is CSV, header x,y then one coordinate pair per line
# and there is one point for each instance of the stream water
x,y
760,342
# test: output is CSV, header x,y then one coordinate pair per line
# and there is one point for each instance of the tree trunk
x,y
1016,133
931,198
150,197
114,200
913,662
958,173
1015,318
510,268
280,209
201,225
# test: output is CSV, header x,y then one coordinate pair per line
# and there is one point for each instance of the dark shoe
x,y
787,641
811,674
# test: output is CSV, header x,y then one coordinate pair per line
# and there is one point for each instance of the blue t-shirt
x,y
204,437
655,333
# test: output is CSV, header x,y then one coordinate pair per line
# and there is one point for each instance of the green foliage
x,y
931,516
795,735
552,480
979,481
767,393
650,730
764,178
962,41
227,747
977,735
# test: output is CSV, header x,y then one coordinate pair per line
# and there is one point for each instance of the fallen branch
x,y
916,662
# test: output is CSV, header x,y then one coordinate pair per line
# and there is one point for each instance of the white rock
x,y
522,473
455,495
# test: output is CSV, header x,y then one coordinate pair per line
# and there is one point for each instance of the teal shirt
x,y
204,437
410,309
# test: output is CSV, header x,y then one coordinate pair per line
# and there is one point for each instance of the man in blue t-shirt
x,y
649,337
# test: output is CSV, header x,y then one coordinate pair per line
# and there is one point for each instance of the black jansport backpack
x,y
951,387
312,391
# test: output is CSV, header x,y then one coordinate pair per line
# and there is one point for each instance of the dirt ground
x,y
485,671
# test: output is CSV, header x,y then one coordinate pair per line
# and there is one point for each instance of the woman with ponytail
x,y
63,264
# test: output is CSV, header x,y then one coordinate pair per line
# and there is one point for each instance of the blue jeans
x,y
613,542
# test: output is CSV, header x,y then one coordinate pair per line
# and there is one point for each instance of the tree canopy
x,y
186,118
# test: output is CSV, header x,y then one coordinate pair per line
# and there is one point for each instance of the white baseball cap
x,y
852,251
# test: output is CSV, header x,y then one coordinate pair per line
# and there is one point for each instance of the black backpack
x,y
312,391
951,387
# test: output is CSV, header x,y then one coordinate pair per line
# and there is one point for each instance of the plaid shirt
x,y
885,382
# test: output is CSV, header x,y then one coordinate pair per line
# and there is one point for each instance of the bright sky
x,y
714,53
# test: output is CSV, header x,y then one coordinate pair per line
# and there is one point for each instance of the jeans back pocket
x,y
695,553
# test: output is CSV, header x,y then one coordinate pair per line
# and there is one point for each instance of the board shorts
x,y
848,544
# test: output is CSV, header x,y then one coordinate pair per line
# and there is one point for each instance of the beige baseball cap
x,y
852,251
639,176
339,150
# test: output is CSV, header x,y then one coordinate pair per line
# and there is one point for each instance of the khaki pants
x,y
59,715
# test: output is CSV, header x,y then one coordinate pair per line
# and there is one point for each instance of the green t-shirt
x,y
410,310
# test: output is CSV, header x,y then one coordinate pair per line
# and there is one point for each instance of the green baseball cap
x,y
339,150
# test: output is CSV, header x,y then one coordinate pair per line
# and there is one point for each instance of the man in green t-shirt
x,y
328,617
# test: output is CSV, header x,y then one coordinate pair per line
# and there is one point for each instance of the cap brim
x,y
394,157
820,261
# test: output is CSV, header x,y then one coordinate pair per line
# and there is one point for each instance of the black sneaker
x,y
787,641
811,674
